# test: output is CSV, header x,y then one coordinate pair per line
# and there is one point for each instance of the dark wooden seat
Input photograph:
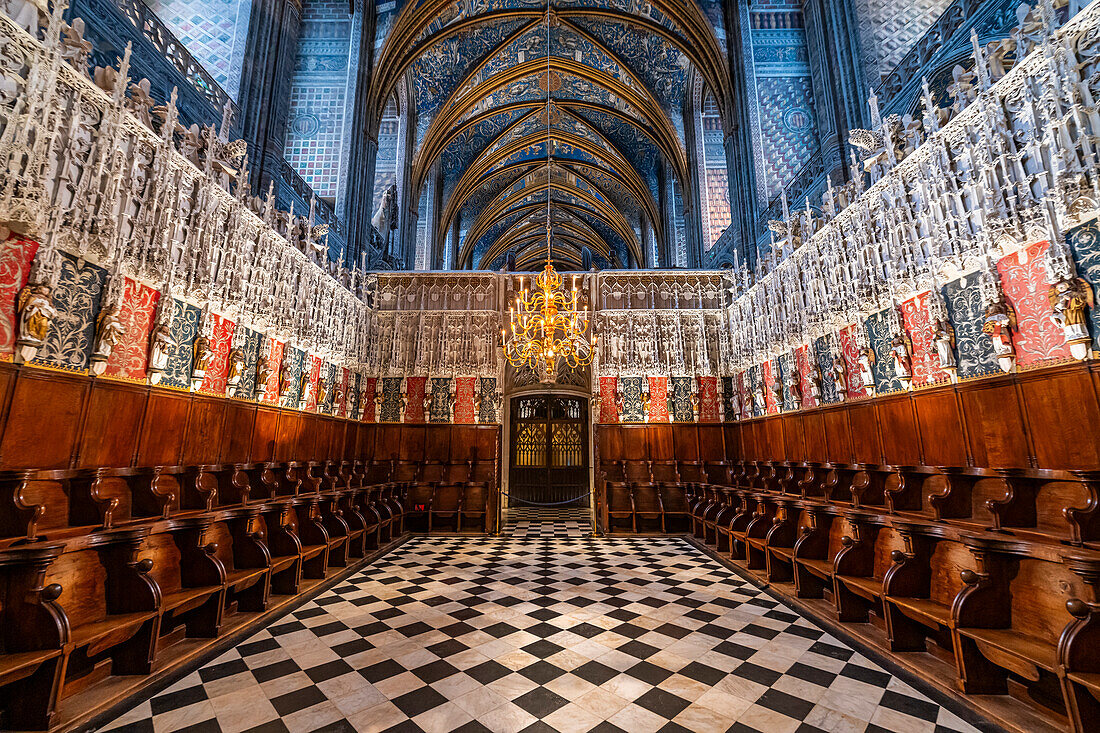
x,y
445,507
475,507
303,518
419,507
675,509
648,512
240,548
620,508
283,545
33,632
191,579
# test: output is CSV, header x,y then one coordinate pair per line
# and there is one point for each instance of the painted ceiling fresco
x,y
619,72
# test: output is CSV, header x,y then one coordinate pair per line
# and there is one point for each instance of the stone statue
x,y
161,346
36,311
109,331
814,379
203,355
1070,299
235,369
943,338
866,372
384,219
263,374
840,377
903,361
322,391
998,320
794,389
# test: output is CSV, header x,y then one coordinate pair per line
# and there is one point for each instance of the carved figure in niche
x,y
36,311
263,374
794,389
30,15
866,372
235,370
141,102
1070,298
814,379
901,354
322,392
761,406
161,346
385,216
303,385
998,320
108,333
203,355
943,338
840,377
695,404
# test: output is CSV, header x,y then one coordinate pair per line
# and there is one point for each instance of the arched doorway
x,y
548,450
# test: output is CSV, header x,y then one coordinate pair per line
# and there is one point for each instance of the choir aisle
x,y
551,633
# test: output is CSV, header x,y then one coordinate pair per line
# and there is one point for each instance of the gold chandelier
x,y
545,326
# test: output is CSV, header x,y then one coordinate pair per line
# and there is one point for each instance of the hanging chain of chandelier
x,y
548,326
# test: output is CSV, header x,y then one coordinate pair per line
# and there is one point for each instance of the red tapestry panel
x,y
708,399
366,398
414,389
658,399
769,380
918,324
851,362
609,408
1037,339
314,378
130,356
342,405
16,255
464,400
802,362
271,396
221,336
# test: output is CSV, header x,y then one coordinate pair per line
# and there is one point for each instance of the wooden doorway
x,y
549,451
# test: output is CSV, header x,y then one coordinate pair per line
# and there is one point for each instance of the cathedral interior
x,y
550,365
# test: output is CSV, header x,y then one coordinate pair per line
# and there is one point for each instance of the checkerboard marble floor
x,y
534,521
541,634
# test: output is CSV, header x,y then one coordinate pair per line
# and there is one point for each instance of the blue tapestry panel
x,y
353,395
630,388
294,361
881,333
487,414
824,356
249,341
439,405
1084,241
679,390
184,328
973,348
390,410
71,335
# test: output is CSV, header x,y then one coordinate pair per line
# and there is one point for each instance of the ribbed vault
x,y
618,75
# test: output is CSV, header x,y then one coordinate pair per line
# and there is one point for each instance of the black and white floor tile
x,y
535,521
541,634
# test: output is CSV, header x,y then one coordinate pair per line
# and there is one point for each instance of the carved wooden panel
x,y
163,429
43,421
996,426
941,428
112,425
1063,415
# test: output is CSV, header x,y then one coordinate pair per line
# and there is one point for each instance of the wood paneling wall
x,y
1042,419
54,420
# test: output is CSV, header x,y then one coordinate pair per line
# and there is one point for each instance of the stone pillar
x,y
264,96
357,207
841,98
737,128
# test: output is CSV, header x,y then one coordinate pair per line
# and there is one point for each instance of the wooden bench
x,y
815,552
1009,618
240,548
33,632
111,604
283,545
446,507
475,507
303,519
191,579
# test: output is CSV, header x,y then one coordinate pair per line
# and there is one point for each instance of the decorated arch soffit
x,y
618,76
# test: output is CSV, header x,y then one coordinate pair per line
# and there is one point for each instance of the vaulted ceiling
x,y
619,73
